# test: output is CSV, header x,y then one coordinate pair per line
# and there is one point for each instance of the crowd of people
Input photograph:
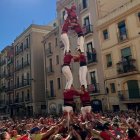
x,y
124,125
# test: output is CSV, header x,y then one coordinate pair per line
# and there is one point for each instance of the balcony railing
x,y
22,84
2,75
49,52
3,62
91,57
82,6
26,63
9,74
129,95
10,88
122,36
50,70
19,51
127,66
88,29
26,46
10,61
28,99
93,88
19,67
2,102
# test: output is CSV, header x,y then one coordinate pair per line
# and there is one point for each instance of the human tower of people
x,y
71,23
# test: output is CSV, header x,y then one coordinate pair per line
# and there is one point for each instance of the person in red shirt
x,y
83,68
66,69
85,101
71,22
69,98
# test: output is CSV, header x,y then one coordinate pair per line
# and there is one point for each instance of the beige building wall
x,y
52,56
86,13
31,90
114,45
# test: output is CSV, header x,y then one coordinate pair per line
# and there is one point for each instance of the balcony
x,y
48,52
91,57
10,61
22,84
122,36
50,70
10,88
3,62
28,99
2,103
26,63
129,96
126,67
26,46
19,67
82,7
88,29
9,74
19,51
3,75
93,89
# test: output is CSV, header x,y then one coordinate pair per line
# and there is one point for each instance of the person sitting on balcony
x,y
125,64
71,22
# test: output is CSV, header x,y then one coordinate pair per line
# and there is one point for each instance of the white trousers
x,y
85,110
68,75
80,43
83,75
65,40
67,109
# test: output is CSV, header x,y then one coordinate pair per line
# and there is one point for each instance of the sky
x,y
17,15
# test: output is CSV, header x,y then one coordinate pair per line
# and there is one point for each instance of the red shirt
x,y
105,136
82,60
67,59
68,96
85,99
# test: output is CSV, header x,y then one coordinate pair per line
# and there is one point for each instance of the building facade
x,y
28,96
87,16
6,78
119,33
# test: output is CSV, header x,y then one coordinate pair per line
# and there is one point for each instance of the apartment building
x,y
87,16
6,78
29,90
119,33
53,74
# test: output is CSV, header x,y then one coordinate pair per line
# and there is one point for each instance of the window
x,y
50,65
28,79
22,79
93,77
21,47
22,62
27,42
91,53
17,81
122,31
57,59
85,3
105,34
49,47
86,21
63,15
126,53
112,87
27,58
51,88
109,60
139,16
56,42
22,96
59,83
28,95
